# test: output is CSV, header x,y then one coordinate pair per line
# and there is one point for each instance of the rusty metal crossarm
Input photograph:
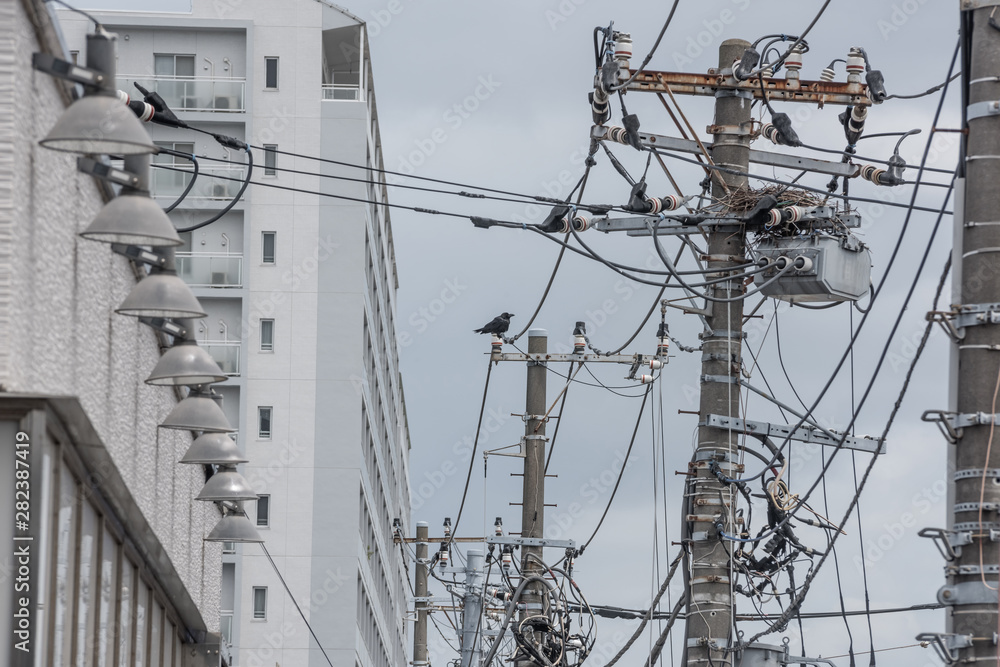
x,y
786,90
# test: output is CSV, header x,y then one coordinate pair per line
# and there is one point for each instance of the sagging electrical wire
x,y
797,600
739,172
621,473
472,457
844,357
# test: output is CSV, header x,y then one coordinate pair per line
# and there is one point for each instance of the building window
x,y
270,159
173,65
271,73
267,335
267,247
75,57
260,603
263,510
264,422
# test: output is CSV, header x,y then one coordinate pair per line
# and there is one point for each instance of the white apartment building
x,y
104,563
301,294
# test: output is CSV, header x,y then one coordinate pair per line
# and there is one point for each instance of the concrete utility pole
x,y
709,606
420,592
472,608
975,610
533,509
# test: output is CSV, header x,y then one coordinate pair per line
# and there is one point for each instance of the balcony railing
x,y
170,182
191,93
340,92
207,269
225,353
226,626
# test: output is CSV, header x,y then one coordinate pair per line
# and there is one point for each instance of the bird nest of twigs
x,y
745,199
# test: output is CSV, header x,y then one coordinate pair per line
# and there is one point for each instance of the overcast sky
x,y
519,73
495,94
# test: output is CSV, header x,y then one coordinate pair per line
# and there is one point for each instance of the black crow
x,y
498,325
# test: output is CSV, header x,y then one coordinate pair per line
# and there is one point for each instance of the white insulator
x,y
581,223
563,225
655,364
827,74
579,344
645,379
616,134
855,65
793,63
782,262
443,559
670,202
773,217
767,72
623,48
792,213
803,263
506,560
769,132
123,96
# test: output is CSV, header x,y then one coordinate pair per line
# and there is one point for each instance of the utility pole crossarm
x,y
785,90
662,142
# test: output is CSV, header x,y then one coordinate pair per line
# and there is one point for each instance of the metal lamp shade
x,y
133,220
185,364
227,484
99,125
162,294
234,528
214,449
198,412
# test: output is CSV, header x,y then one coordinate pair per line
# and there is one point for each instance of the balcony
x,y
192,93
225,353
341,92
207,269
171,179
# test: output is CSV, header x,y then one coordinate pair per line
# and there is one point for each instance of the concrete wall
x,y
59,332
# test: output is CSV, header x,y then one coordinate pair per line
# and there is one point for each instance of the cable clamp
x,y
975,507
978,473
722,379
715,644
949,543
951,423
713,455
983,528
968,315
982,109
968,592
722,334
946,644
952,570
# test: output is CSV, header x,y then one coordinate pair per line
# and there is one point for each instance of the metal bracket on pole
x,y
982,109
975,507
948,542
946,644
952,570
804,433
951,423
520,448
955,321
968,592
531,542
587,358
